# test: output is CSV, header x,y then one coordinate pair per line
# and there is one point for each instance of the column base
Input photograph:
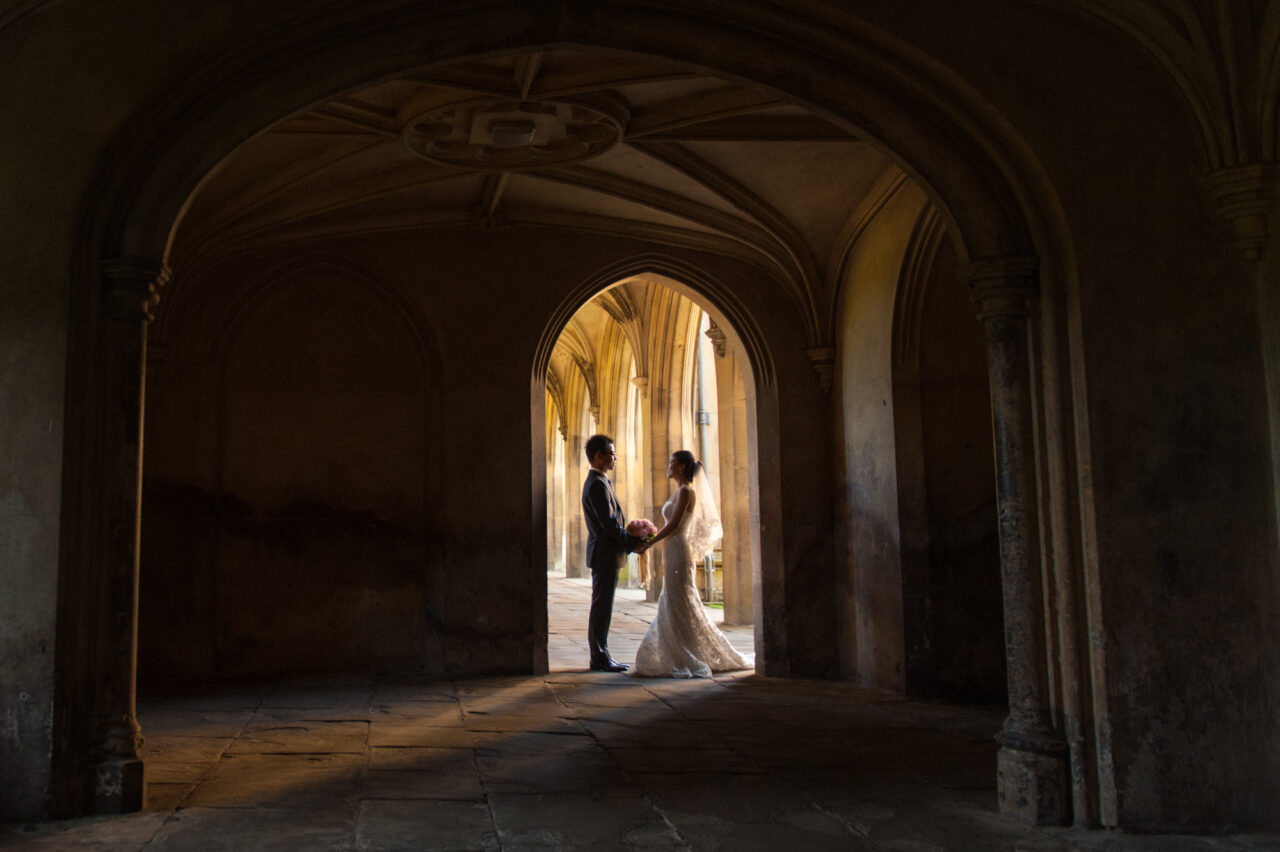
x,y
1032,787
119,786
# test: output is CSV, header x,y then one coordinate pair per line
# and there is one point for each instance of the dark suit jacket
x,y
607,539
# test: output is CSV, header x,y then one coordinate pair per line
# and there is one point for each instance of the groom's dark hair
x,y
597,444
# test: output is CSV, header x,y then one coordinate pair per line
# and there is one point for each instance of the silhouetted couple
x,y
682,641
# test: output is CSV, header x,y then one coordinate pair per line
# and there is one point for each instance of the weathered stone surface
x,y
1032,787
443,760
560,772
425,825
580,822
350,713
709,758
390,734
218,829
441,713
528,720
202,723
461,783
282,780
302,737
883,774
185,749
115,833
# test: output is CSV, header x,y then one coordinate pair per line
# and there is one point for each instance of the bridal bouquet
x,y
642,528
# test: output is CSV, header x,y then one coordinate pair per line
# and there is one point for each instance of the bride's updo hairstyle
x,y
688,464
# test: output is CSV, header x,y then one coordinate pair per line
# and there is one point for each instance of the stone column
x,y
130,291
575,557
1032,783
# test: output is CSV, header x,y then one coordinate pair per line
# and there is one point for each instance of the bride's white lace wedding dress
x,y
682,641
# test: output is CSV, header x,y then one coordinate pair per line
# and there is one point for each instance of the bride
x,y
682,641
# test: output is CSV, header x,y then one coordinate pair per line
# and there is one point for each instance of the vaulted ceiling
x,y
588,140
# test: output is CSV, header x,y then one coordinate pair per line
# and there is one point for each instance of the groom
x,y
607,546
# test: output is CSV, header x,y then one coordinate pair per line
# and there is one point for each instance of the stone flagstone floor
x,y
571,760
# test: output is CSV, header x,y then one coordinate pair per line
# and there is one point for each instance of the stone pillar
x,y
131,288
735,491
1032,782
556,488
575,557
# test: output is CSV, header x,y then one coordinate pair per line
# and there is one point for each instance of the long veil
x,y
704,528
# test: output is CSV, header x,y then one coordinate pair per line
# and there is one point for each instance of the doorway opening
x,y
642,362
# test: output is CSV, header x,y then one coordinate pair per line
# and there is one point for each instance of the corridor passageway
x,y
570,760
567,603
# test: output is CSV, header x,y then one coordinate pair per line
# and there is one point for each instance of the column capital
x,y
642,382
823,359
1245,197
132,286
1003,286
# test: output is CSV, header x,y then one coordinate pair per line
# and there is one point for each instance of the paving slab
x,y
391,734
132,831
551,773
593,695
350,713
302,737
389,826
793,832
414,689
173,722
249,781
167,795
200,829
441,713
442,760
460,784
688,798
581,822
160,750
212,697
523,722
533,742
642,732
711,761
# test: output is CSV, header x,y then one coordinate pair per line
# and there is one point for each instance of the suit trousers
x,y
604,582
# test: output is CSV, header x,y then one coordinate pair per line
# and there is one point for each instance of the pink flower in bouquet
x,y
642,528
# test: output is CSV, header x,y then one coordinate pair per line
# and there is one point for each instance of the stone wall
x,y
332,479
286,489
872,632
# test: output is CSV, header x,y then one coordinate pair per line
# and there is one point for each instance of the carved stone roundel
x,y
514,135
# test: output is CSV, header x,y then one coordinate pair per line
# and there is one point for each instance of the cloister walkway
x,y
567,603
570,760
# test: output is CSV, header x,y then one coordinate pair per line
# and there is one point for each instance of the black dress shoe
x,y
609,666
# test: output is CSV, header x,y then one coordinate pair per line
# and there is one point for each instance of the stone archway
x,y
989,192
664,415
